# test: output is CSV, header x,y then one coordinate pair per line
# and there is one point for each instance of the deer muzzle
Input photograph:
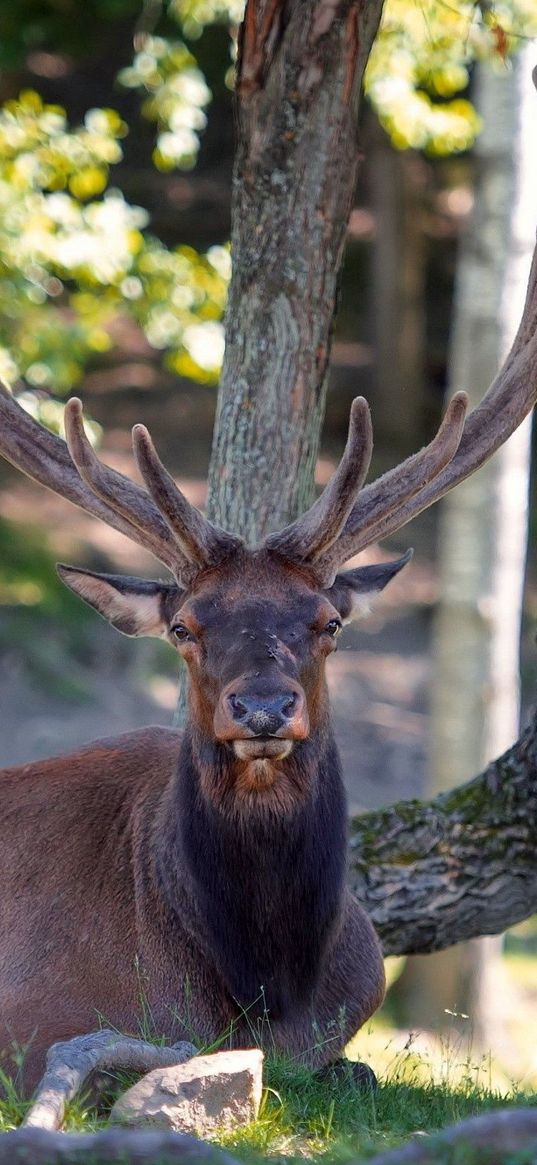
x,y
263,720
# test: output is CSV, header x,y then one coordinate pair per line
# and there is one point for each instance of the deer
x,y
198,877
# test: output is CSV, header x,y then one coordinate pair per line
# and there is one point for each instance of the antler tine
x,y
45,458
203,543
380,503
511,396
141,519
487,428
316,530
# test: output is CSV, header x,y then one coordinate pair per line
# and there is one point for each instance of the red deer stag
x,y
200,877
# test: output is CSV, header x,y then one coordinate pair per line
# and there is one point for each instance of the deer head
x,y
256,625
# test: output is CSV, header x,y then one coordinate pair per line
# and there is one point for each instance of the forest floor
x,y
302,1118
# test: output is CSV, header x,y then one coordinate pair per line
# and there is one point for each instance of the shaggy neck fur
x,y
265,865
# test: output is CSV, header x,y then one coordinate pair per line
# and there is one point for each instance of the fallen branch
x,y
70,1063
489,1140
113,1147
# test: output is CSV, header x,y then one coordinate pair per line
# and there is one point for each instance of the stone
x,y
206,1096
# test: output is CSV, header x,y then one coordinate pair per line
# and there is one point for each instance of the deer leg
x,y
354,1071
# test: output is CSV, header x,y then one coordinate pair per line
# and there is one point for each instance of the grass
x,y
425,1085
302,1117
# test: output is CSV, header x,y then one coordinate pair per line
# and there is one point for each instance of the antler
x,y
400,485
458,449
74,471
319,527
189,537
202,542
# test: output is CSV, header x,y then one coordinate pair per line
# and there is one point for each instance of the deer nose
x,y
263,715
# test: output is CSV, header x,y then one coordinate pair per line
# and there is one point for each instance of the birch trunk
x,y
483,524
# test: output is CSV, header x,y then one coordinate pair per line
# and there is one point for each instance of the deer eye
x,y
181,633
333,627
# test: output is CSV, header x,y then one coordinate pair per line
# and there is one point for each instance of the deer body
x,y
194,883
177,941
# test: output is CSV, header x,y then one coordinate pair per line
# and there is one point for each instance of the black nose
x,y
263,715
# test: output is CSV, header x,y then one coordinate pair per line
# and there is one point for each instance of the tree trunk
x,y
299,76
483,523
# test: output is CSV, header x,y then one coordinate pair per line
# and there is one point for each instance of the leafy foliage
x,y
70,260
177,93
75,254
421,61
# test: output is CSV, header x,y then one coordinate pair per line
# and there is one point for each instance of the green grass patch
x,y
302,1117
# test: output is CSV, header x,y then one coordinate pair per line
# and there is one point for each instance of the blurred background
x,y
116,148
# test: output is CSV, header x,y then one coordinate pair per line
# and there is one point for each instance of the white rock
x,y
207,1095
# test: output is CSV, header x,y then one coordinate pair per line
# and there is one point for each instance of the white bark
x,y
483,526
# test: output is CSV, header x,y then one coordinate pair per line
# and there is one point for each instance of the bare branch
x,y
112,1147
486,1139
434,873
70,1063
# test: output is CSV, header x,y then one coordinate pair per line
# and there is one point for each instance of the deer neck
x,y
265,881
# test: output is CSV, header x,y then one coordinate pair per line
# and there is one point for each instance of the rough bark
x,y
489,1140
112,1147
431,874
300,70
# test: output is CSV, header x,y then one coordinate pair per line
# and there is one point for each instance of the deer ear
x,y
135,606
353,592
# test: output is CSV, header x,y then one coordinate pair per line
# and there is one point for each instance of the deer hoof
x,y
361,1075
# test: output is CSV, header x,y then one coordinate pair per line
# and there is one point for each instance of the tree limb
x,y
432,874
112,1147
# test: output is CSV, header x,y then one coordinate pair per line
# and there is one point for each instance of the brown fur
x,y
84,855
102,913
